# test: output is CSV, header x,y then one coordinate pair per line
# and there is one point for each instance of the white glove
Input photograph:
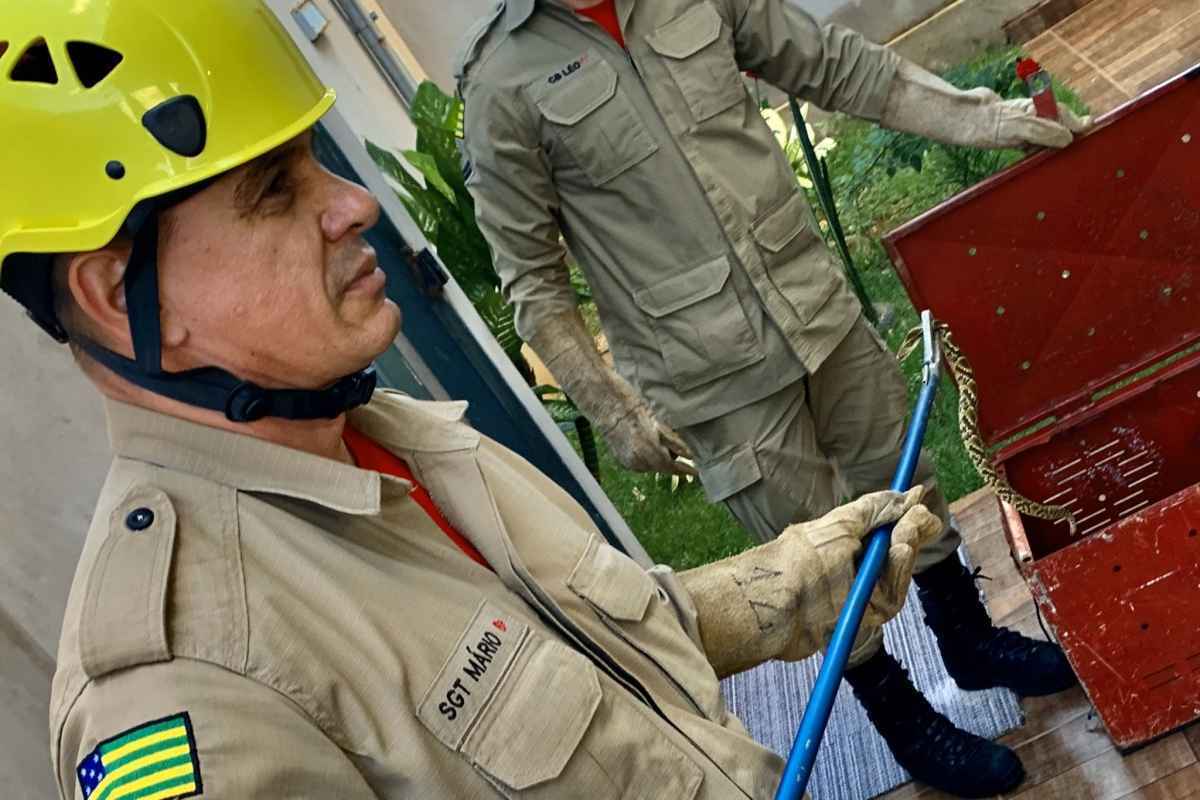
x,y
922,103
635,438
782,599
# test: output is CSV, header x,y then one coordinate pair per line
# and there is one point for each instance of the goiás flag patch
x,y
154,761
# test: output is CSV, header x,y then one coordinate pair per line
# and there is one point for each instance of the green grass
x,y
678,527
682,529
880,180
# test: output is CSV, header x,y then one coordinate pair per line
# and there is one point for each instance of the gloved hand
x,y
782,599
635,438
924,104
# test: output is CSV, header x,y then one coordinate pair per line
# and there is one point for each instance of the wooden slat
x,y
1110,776
1055,752
1182,785
1111,51
1046,714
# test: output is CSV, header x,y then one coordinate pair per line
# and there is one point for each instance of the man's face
x,y
266,274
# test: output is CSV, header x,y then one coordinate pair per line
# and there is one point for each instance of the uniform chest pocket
x,y
594,120
701,60
545,727
799,263
702,330
630,602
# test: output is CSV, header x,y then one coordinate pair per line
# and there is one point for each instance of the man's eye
x,y
278,185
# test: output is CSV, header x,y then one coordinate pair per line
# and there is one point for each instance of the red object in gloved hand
x,y
1041,89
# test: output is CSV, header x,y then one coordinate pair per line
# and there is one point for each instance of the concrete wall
x,y
53,458
364,95
432,29
878,21
958,31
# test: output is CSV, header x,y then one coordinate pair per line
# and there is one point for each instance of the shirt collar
x,y
516,12
399,423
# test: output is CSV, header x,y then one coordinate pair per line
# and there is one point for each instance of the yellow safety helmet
x,y
104,103
110,110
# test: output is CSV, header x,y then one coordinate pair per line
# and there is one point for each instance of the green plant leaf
x,y
500,319
427,165
386,160
433,108
561,408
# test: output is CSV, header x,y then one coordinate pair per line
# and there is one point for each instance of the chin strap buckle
x,y
249,402
356,390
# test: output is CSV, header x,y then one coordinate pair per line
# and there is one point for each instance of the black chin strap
x,y
208,387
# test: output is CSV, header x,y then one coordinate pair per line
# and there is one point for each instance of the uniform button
x,y
139,519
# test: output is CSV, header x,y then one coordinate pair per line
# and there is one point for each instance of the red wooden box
x,y
1066,280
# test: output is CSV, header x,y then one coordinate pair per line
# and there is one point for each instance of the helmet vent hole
x,y
35,65
3,48
93,63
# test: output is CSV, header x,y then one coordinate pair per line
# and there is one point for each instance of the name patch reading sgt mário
x,y
478,661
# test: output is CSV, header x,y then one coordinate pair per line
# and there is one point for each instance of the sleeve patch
x,y
154,761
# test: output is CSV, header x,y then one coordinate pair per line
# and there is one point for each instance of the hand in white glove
x,y
635,438
924,104
782,599
835,542
1018,125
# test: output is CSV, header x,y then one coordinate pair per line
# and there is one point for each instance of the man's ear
x,y
96,282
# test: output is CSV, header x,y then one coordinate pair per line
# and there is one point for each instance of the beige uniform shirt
x,y
253,621
713,284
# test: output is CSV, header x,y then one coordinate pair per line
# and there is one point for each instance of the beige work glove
x,y
782,599
635,438
922,103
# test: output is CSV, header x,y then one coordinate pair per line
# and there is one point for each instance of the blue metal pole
x,y
820,704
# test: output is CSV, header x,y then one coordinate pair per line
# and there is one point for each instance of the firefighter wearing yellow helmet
x,y
294,586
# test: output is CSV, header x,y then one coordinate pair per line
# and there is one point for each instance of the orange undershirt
x,y
369,455
605,15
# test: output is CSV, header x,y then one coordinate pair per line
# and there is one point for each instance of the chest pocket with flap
x,y
545,727
702,330
629,601
594,120
700,57
799,263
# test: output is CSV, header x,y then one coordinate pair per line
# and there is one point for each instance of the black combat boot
x,y
977,654
924,742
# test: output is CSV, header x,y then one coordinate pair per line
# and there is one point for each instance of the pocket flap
x,y
731,474
612,582
683,290
576,96
782,225
688,33
538,719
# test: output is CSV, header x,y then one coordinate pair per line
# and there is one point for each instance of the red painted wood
x,y
1125,607
1068,273
1072,269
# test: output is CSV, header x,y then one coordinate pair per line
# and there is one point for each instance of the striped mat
x,y
854,763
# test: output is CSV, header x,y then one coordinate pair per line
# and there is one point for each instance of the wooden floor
x,y
1111,51
1066,753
